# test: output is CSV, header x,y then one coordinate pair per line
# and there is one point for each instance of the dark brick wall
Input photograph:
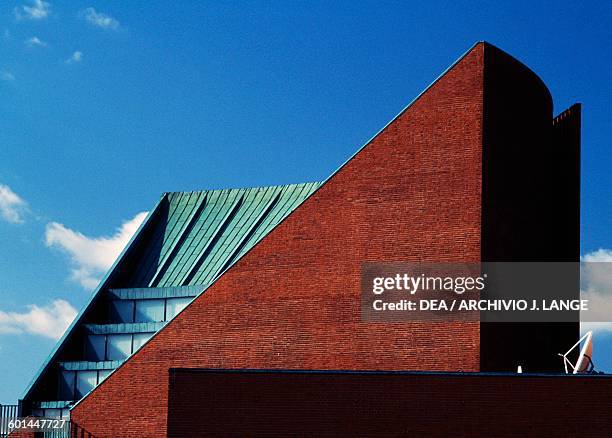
x,y
530,203
270,404
565,161
413,193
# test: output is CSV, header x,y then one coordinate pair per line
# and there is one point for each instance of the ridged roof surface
x,y
197,235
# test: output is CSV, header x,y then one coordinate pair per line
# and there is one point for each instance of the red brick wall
x,y
414,193
269,404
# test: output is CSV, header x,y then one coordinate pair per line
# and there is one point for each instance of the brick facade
x,y
414,193
271,404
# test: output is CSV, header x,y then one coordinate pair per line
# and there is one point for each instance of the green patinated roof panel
x,y
113,329
144,293
198,235
90,366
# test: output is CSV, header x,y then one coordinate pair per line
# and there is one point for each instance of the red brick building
x,y
386,404
476,168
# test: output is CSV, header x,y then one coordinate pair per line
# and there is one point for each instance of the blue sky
x,y
105,105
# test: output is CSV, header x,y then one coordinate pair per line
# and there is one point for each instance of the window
x,y
118,347
122,311
102,375
149,311
85,382
175,305
53,413
95,346
66,385
141,338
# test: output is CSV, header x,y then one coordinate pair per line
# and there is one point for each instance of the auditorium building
x,y
236,312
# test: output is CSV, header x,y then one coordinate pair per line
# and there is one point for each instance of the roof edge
x,y
383,372
243,188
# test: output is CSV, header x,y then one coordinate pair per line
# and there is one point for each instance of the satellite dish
x,y
584,364
584,360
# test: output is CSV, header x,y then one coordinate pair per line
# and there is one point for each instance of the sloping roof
x,y
185,243
197,235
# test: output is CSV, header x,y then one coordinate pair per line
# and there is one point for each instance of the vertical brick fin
x,y
566,168
293,301
522,208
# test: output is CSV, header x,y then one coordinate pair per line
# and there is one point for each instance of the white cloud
x,y
12,207
99,19
601,255
50,321
596,286
35,42
91,257
37,10
7,76
75,57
